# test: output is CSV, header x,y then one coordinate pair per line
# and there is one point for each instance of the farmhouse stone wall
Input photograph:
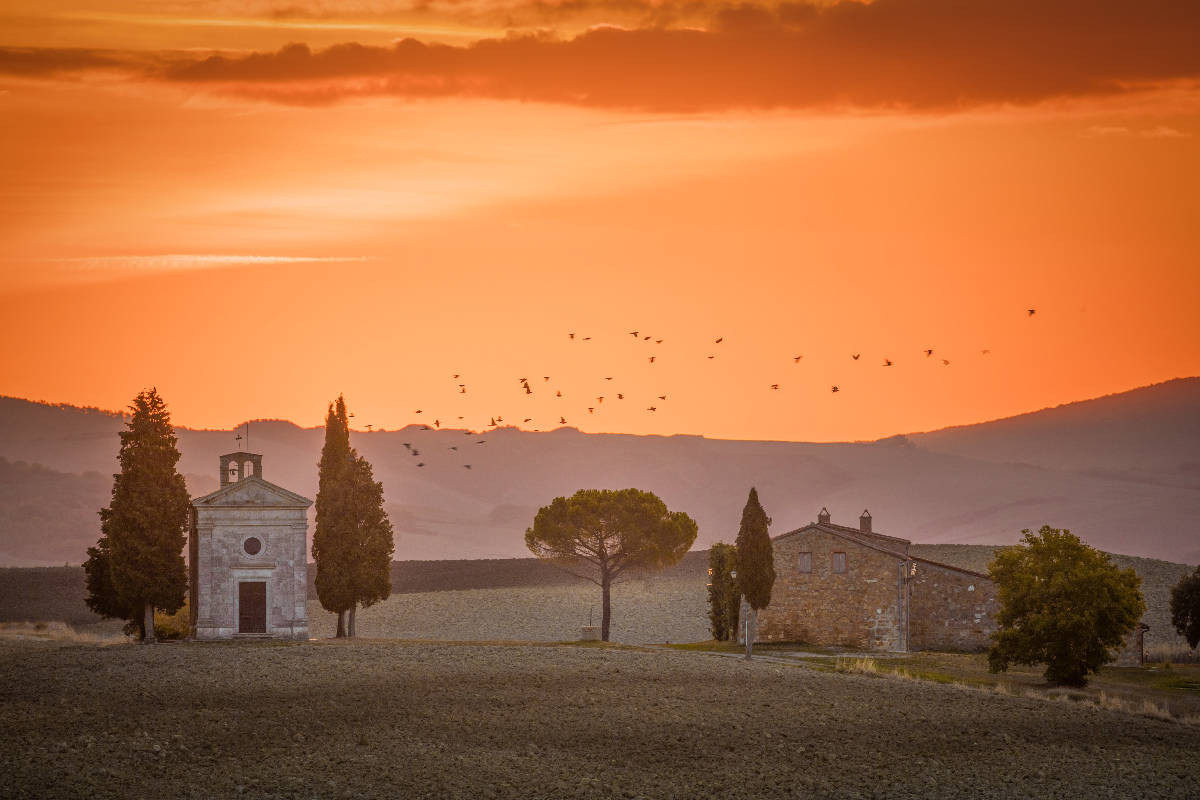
x,y
859,608
949,609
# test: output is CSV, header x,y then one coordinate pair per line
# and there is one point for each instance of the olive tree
x,y
599,534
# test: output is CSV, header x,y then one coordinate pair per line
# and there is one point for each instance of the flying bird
x,y
600,399
546,377
645,338
416,452
651,359
835,389
662,397
634,334
407,445
421,464
928,353
437,423
774,385
1031,311
482,441
587,338
562,420
797,359
620,396
466,466
855,356
718,341
528,390
558,393
985,352
418,411
463,390
523,380
571,335
945,362
492,422
453,447
658,341
527,419
712,356
887,362
652,408
608,379
591,410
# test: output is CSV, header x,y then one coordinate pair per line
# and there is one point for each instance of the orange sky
x,y
257,231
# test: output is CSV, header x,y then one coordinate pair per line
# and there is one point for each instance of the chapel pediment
x,y
252,491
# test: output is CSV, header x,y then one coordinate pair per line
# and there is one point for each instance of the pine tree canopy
x,y
755,554
1062,604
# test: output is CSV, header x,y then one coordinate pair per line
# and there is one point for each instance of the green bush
x,y
173,626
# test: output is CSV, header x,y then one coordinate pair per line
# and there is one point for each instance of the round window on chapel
x,y
252,546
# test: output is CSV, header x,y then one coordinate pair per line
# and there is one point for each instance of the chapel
x,y
248,557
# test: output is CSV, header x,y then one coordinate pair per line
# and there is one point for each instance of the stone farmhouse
x,y
855,588
247,557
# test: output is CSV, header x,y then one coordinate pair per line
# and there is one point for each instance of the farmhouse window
x,y
804,562
839,562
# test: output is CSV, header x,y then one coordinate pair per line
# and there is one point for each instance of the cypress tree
x,y
755,563
723,594
352,543
333,538
137,565
373,545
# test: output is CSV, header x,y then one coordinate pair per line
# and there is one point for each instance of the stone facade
x,y
247,556
850,587
950,609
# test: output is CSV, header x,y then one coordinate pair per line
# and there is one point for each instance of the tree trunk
x,y
751,632
350,623
606,614
148,622
341,628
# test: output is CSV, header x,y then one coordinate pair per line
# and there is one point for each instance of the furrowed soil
x,y
417,720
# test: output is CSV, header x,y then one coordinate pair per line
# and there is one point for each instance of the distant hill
x,y
1120,471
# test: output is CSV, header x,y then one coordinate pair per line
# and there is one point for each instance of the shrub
x,y
173,626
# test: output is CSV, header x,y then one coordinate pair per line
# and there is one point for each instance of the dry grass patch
x,y
55,632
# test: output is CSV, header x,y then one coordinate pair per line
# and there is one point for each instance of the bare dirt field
x,y
395,719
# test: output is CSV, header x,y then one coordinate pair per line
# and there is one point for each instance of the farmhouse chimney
x,y
864,522
823,517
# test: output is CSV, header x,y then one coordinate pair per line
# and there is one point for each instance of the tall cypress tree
x,y
333,538
352,543
755,563
373,543
137,565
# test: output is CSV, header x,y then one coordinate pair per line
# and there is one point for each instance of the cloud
x,y
1165,132
1158,132
37,61
895,54
187,261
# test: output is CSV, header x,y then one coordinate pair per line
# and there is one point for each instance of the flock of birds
x,y
496,421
